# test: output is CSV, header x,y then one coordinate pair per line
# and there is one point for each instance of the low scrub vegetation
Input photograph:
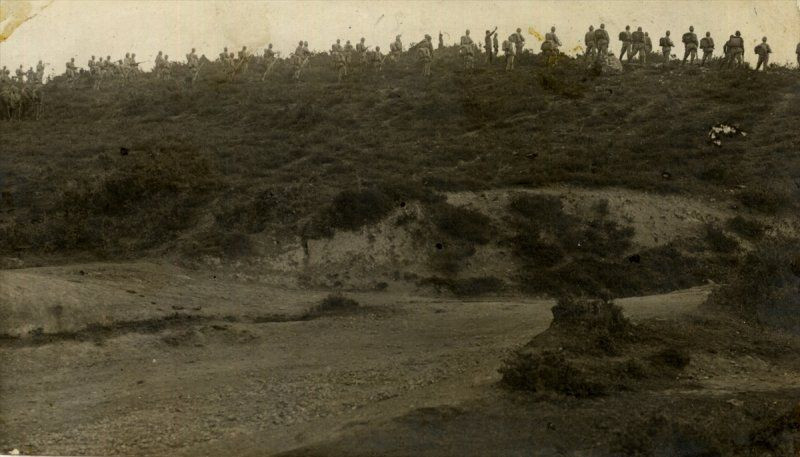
x,y
766,287
556,251
333,304
467,287
747,228
592,349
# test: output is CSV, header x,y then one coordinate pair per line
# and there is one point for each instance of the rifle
x,y
197,71
269,67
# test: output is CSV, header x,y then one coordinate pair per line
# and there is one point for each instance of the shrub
x,y
718,241
671,357
462,223
333,304
767,199
747,228
548,371
352,209
450,259
766,286
595,315
143,202
546,210
467,287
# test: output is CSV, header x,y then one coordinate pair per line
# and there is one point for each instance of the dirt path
x,y
226,381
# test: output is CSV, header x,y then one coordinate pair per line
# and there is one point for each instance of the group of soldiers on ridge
x,y
639,43
635,46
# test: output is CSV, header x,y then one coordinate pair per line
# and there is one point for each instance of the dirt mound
x,y
590,350
490,242
105,299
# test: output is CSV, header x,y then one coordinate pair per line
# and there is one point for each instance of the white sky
x,y
80,28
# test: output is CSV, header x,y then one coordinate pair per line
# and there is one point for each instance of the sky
x,y
62,29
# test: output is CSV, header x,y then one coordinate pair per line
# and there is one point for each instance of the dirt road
x,y
185,362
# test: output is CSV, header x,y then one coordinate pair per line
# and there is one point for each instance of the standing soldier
x,y
193,62
297,61
648,43
348,53
336,51
336,47
553,38
20,72
30,75
191,58
495,44
269,61
518,40
441,40
666,46
625,37
376,59
165,67
590,43
638,47
340,63
395,49
223,56
510,51
134,64
707,45
425,53
468,51
361,49
92,64
39,72
797,51
690,42
72,70
601,40
4,72
763,50
734,50
487,44
244,60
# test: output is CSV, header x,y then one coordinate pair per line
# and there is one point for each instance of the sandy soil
x,y
165,360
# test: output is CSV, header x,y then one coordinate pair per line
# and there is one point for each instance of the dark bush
x,y
451,258
537,252
332,305
671,357
718,241
548,371
145,200
467,287
747,228
602,315
545,211
352,209
767,199
766,287
462,223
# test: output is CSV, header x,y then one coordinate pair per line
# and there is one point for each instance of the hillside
x,y
553,260
230,170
